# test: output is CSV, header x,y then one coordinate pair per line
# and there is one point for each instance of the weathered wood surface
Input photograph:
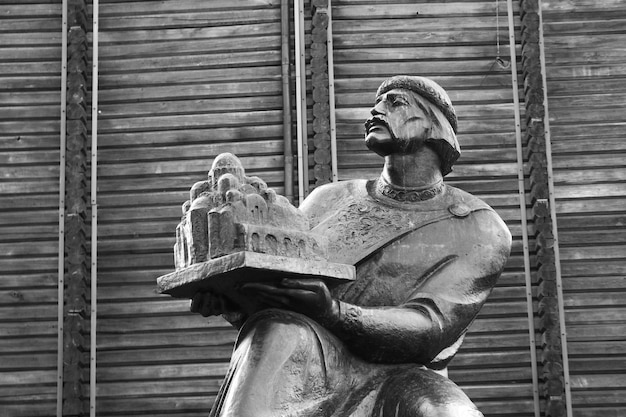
x,y
180,82
30,85
584,43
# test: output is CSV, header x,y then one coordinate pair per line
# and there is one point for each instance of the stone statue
x,y
426,254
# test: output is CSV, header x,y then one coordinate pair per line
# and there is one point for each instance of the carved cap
x,y
426,88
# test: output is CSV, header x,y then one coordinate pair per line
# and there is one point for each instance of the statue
x,y
426,254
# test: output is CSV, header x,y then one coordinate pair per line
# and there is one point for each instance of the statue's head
x,y
412,112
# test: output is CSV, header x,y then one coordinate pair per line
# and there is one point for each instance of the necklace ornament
x,y
407,195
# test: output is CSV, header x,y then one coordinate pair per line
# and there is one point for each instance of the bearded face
x,y
400,124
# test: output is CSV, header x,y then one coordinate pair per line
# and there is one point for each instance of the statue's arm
x,y
437,313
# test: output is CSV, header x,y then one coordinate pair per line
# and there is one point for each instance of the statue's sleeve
x,y
437,313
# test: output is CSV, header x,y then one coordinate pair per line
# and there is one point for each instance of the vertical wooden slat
x,y
554,221
93,323
321,92
61,264
75,297
331,95
530,310
285,61
301,105
552,388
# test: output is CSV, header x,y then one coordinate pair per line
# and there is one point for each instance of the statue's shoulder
x,y
461,203
327,198
483,221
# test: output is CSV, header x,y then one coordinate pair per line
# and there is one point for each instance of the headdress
x,y
444,140
426,88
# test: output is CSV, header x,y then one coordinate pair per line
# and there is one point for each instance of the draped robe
x,y
438,258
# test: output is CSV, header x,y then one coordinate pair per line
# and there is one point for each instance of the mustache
x,y
376,120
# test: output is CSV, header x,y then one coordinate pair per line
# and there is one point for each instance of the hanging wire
x,y
497,29
502,63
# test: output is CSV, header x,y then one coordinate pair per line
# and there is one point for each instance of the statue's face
x,y
399,123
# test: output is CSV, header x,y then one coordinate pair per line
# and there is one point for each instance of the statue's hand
x,y
210,304
310,297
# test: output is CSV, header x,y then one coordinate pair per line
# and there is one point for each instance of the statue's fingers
x,y
227,305
295,293
196,303
218,305
267,299
313,285
256,286
304,283
288,293
224,305
210,306
275,300
205,310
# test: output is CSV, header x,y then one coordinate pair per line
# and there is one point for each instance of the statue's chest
x,y
362,225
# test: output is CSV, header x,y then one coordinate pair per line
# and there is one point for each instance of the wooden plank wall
x,y
180,82
586,79
453,43
30,85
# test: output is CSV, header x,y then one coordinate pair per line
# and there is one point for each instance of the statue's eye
x,y
399,101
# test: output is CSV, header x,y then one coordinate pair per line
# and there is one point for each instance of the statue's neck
x,y
417,171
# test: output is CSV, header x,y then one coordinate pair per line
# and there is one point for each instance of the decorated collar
x,y
407,195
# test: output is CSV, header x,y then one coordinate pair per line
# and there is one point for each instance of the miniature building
x,y
231,212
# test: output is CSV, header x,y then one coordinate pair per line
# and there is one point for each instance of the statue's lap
x,y
307,369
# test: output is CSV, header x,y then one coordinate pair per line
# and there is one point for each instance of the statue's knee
x,y
425,407
422,393
449,410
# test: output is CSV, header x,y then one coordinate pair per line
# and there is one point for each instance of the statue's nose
x,y
378,109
